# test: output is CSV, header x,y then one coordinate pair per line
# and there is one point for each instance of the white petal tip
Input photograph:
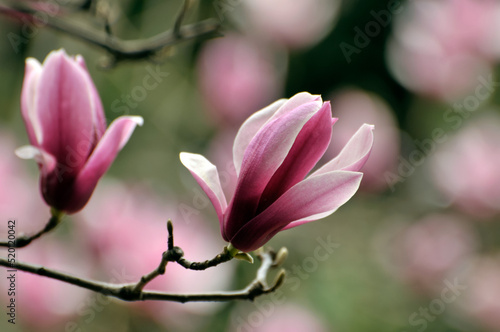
x,y
81,61
27,152
139,120
33,63
194,160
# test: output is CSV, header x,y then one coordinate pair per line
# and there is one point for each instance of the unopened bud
x,y
280,278
281,256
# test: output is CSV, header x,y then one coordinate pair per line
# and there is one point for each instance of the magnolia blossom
x,y
272,153
66,127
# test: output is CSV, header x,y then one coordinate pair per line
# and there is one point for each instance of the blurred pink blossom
x,y
354,107
126,229
44,304
466,169
425,253
236,77
288,318
482,293
291,23
440,48
19,194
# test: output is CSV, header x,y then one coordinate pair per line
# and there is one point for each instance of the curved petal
x,y
354,154
307,150
298,100
28,97
205,173
266,152
248,130
101,158
64,105
316,196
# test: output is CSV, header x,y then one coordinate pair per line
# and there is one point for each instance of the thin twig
x,y
24,240
223,257
180,18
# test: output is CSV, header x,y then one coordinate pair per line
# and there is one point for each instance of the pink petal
x,y
254,123
207,177
316,196
98,118
101,158
264,155
64,105
308,148
28,97
248,130
354,154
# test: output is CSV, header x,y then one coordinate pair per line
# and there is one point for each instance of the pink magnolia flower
x,y
273,151
66,127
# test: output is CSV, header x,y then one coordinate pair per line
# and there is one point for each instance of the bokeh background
x,y
417,249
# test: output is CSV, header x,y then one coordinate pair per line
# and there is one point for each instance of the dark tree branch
x,y
24,240
122,49
134,292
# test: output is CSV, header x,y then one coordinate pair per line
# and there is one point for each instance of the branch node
x,y
173,255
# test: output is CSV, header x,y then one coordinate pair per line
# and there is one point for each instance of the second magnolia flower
x,y
67,131
273,152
